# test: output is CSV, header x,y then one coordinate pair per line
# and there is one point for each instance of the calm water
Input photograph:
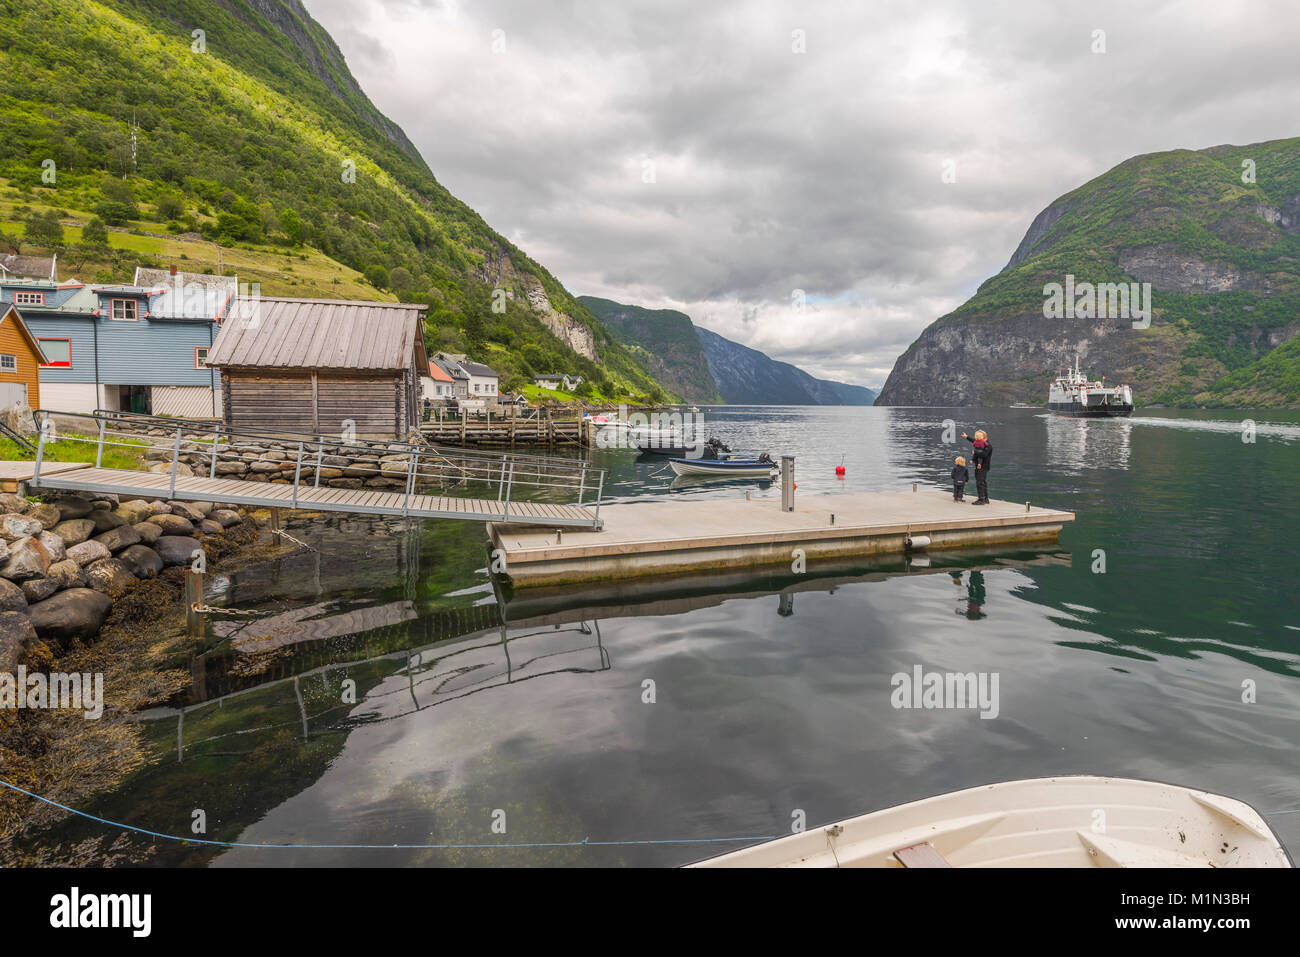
x,y
772,692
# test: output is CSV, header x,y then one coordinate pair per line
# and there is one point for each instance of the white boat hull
x,y
714,467
1044,822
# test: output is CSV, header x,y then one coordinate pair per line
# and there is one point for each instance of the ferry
x,y
1073,393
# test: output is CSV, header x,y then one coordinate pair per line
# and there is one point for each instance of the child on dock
x,y
959,479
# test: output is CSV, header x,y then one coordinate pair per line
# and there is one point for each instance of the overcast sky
x,y
775,170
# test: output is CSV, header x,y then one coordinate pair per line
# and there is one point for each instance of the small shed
x,y
314,365
20,361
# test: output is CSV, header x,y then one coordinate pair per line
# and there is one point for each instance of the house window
x,y
8,363
123,309
58,353
29,298
200,357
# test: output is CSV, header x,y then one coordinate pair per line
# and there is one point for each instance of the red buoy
x,y
839,470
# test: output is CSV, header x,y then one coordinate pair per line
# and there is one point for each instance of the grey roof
x,y
452,369
272,333
477,368
160,278
37,267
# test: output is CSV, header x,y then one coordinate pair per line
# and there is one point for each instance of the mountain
x,y
665,341
702,366
748,377
1216,232
184,124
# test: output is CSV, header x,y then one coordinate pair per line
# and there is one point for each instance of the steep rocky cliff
x,y
665,341
1216,234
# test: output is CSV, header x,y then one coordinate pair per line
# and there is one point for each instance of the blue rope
x,y
585,842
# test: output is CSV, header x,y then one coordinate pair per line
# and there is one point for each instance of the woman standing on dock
x,y
981,456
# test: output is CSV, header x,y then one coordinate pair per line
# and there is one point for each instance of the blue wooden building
x,y
140,348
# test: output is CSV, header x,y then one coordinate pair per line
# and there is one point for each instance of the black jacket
x,y
982,457
959,475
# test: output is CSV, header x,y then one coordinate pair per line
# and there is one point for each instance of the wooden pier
x,y
502,430
654,538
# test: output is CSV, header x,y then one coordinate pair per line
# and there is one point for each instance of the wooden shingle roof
x,y
270,333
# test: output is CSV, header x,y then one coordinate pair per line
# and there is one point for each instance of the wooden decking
x,y
13,471
676,536
273,495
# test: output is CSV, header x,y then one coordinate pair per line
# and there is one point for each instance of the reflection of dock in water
x,y
678,594
336,695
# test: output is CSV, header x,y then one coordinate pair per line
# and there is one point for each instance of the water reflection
x,y
1077,443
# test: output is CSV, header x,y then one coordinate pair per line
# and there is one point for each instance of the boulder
x,y
27,559
4,551
74,530
118,538
226,516
103,500
11,598
73,613
203,507
87,552
189,510
159,507
54,545
232,468
256,477
16,636
136,510
110,576
73,506
264,467
149,532
105,521
39,589
14,526
176,549
141,561
173,524
209,527
68,574
48,515
9,502
166,467
19,418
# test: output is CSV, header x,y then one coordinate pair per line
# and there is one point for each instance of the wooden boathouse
x,y
316,365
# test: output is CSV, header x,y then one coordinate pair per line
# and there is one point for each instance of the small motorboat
x,y
728,467
1081,821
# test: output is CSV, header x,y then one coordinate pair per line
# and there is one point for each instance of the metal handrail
x,y
423,463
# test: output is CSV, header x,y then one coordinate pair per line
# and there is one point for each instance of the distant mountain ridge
x,y
702,366
1216,234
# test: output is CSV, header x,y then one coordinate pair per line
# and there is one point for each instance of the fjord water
x,y
651,724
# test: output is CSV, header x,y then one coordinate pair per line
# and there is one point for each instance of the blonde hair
x,y
981,434
960,460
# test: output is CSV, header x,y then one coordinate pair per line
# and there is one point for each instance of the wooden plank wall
x,y
305,402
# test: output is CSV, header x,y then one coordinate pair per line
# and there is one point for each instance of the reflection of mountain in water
x,y
1075,444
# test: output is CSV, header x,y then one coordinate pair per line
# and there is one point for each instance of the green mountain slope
x,y
256,136
666,341
1223,259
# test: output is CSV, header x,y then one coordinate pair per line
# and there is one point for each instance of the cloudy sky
x,y
714,157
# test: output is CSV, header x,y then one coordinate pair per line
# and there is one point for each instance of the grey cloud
x,y
818,171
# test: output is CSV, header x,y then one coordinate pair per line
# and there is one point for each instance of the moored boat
x,y
729,468
1076,821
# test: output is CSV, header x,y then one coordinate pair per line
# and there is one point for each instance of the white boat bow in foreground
x,y
1043,822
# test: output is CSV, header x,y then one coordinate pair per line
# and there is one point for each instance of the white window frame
x,y
204,350
33,297
8,357
135,310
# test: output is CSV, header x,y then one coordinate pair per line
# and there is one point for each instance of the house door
x,y
12,393
134,398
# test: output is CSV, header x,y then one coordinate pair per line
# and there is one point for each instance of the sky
x,y
818,180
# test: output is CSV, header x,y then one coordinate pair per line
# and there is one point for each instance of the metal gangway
x,y
436,482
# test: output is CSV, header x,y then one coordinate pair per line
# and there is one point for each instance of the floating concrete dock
x,y
658,538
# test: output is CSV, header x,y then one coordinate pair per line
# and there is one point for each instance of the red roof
x,y
437,374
